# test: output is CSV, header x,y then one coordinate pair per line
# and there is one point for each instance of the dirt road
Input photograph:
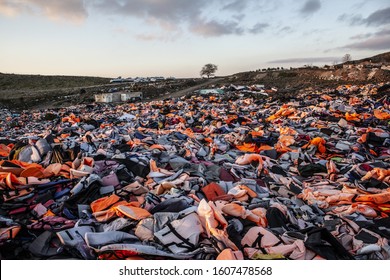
x,y
190,89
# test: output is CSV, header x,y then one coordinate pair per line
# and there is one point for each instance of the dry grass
x,y
41,82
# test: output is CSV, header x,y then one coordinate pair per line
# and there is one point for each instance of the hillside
x,y
380,58
21,92
42,82
374,69
39,91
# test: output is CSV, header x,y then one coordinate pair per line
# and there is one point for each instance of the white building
x,y
118,97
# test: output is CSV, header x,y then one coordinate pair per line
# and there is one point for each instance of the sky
x,y
130,38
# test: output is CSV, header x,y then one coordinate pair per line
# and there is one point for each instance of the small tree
x,y
347,57
209,70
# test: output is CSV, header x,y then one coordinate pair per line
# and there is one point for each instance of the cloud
x,y
9,8
165,13
305,60
70,10
379,40
154,37
238,17
375,43
169,16
174,15
284,30
236,5
382,32
351,19
377,18
214,28
310,7
380,17
258,28
360,36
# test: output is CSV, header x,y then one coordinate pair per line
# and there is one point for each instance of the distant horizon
x,y
194,77
177,37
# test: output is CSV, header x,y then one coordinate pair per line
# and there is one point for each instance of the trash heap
x,y
237,175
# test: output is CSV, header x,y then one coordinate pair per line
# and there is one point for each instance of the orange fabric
x,y
265,147
319,142
135,213
65,169
352,117
251,193
229,254
8,180
373,152
326,97
52,170
32,172
235,210
218,215
164,187
71,118
230,119
281,148
156,146
286,140
120,255
378,173
206,215
364,132
49,213
284,111
188,132
104,203
257,133
355,100
249,158
380,198
104,216
212,191
381,115
248,147
223,237
261,213
287,131
4,150
88,161
340,199
366,210
153,165
9,233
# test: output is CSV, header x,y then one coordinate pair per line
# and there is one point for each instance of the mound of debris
x,y
237,174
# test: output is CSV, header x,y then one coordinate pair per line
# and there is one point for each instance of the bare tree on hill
x,y
209,70
347,57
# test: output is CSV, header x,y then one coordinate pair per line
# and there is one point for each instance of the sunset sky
x,y
130,38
